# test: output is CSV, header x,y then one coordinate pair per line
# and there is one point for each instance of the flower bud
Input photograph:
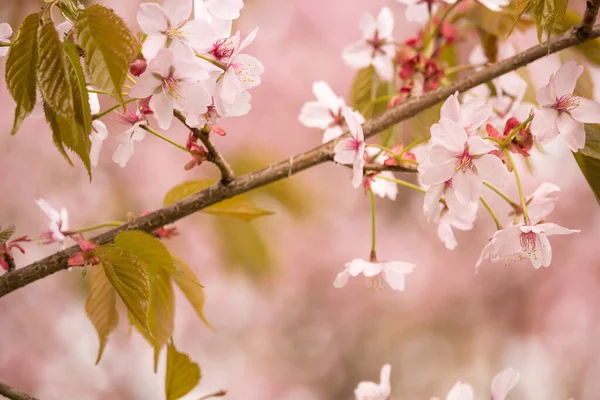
x,y
138,66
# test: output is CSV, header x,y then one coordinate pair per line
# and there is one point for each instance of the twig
x,y
227,174
589,19
275,172
381,167
14,394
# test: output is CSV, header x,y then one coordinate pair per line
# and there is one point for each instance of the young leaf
x,y
81,100
100,306
365,89
189,284
21,69
109,48
182,374
588,158
7,233
147,248
238,207
129,276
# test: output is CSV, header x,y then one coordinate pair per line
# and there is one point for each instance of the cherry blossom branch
x,y
14,394
216,158
381,167
284,169
589,19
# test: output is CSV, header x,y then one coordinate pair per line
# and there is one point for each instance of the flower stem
x,y
402,183
494,217
412,145
94,227
98,91
166,139
219,393
516,130
5,44
111,109
391,152
373,233
212,61
519,186
502,194
498,142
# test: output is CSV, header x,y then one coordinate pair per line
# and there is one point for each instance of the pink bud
x,y
218,130
76,260
138,66
145,106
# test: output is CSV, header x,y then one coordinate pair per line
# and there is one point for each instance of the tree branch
x,y
216,158
589,19
283,169
13,394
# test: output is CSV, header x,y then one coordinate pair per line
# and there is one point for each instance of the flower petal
x,y
385,23
490,168
153,44
450,108
358,55
162,105
461,391
503,383
566,77
225,9
341,279
544,125
384,66
588,111
467,187
178,10
152,18
572,131
199,34
315,115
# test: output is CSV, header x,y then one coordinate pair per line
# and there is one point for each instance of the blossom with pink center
x,y
59,223
174,80
99,130
242,71
380,187
5,34
218,13
517,242
352,150
449,220
379,274
376,47
376,391
134,133
420,10
460,161
169,26
326,112
561,112
471,115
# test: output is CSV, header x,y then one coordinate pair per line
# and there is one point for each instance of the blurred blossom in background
x,y
282,330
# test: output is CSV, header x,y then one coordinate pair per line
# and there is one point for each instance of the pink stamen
x,y
350,144
464,162
566,103
222,49
528,242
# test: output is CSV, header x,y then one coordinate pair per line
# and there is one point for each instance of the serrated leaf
x,y
101,307
129,276
588,158
182,374
81,100
21,69
189,284
521,5
365,89
7,233
238,207
109,48
147,248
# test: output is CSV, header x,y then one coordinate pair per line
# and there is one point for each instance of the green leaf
x,y
522,5
147,248
129,276
182,374
190,285
7,233
365,90
81,100
239,207
588,158
101,306
496,23
547,14
109,48
21,69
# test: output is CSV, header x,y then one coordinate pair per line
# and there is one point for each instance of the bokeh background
x,y
282,331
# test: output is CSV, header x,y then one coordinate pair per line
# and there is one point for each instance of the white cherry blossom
x,y
169,26
503,383
135,133
379,274
59,222
561,112
352,150
218,13
326,112
420,10
471,115
99,130
541,202
460,161
5,34
461,391
376,47
449,220
174,81
381,187
375,391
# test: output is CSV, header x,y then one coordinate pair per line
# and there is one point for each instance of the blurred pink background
x,y
283,331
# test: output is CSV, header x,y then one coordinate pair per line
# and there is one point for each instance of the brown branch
x,y
13,394
283,169
381,167
216,158
589,19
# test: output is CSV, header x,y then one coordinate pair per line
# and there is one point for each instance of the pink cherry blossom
x,y
326,112
561,112
352,150
218,13
420,10
460,161
5,34
376,47
135,133
379,274
99,130
540,203
242,71
449,220
503,383
174,81
376,391
59,223
169,26
517,242
471,115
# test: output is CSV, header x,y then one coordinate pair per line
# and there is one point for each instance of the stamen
x,y
566,103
